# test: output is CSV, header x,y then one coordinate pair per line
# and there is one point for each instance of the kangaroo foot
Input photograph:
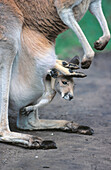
x,y
86,64
26,141
101,43
75,128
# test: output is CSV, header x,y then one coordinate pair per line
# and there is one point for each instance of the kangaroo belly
x,y
35,57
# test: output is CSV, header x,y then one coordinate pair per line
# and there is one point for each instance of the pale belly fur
x,y
29,69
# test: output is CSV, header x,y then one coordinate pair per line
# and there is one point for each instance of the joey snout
x,y
67,96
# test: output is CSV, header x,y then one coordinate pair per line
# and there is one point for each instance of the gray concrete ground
x,y
91,106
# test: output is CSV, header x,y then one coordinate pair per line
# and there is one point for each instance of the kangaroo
x,y
28,30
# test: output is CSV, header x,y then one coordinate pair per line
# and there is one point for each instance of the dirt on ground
x,y
92,107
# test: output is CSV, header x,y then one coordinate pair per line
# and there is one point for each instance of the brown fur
x,y
42,18
35,41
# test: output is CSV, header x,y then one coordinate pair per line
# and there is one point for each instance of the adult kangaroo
x,y
28,29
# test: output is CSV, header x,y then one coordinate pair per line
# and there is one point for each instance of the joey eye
x,y
64,82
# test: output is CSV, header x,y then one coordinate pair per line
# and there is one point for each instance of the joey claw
x,y
70,71
24,111
72,66
54,73
80,75
64,63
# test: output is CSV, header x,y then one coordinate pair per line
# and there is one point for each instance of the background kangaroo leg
x,y
96,9
67,16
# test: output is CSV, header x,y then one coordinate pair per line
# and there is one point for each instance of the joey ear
x,y
75,60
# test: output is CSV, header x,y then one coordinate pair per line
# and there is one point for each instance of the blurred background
x,y
67,43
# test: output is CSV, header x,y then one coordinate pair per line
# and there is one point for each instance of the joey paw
x,y
24,111
54,73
